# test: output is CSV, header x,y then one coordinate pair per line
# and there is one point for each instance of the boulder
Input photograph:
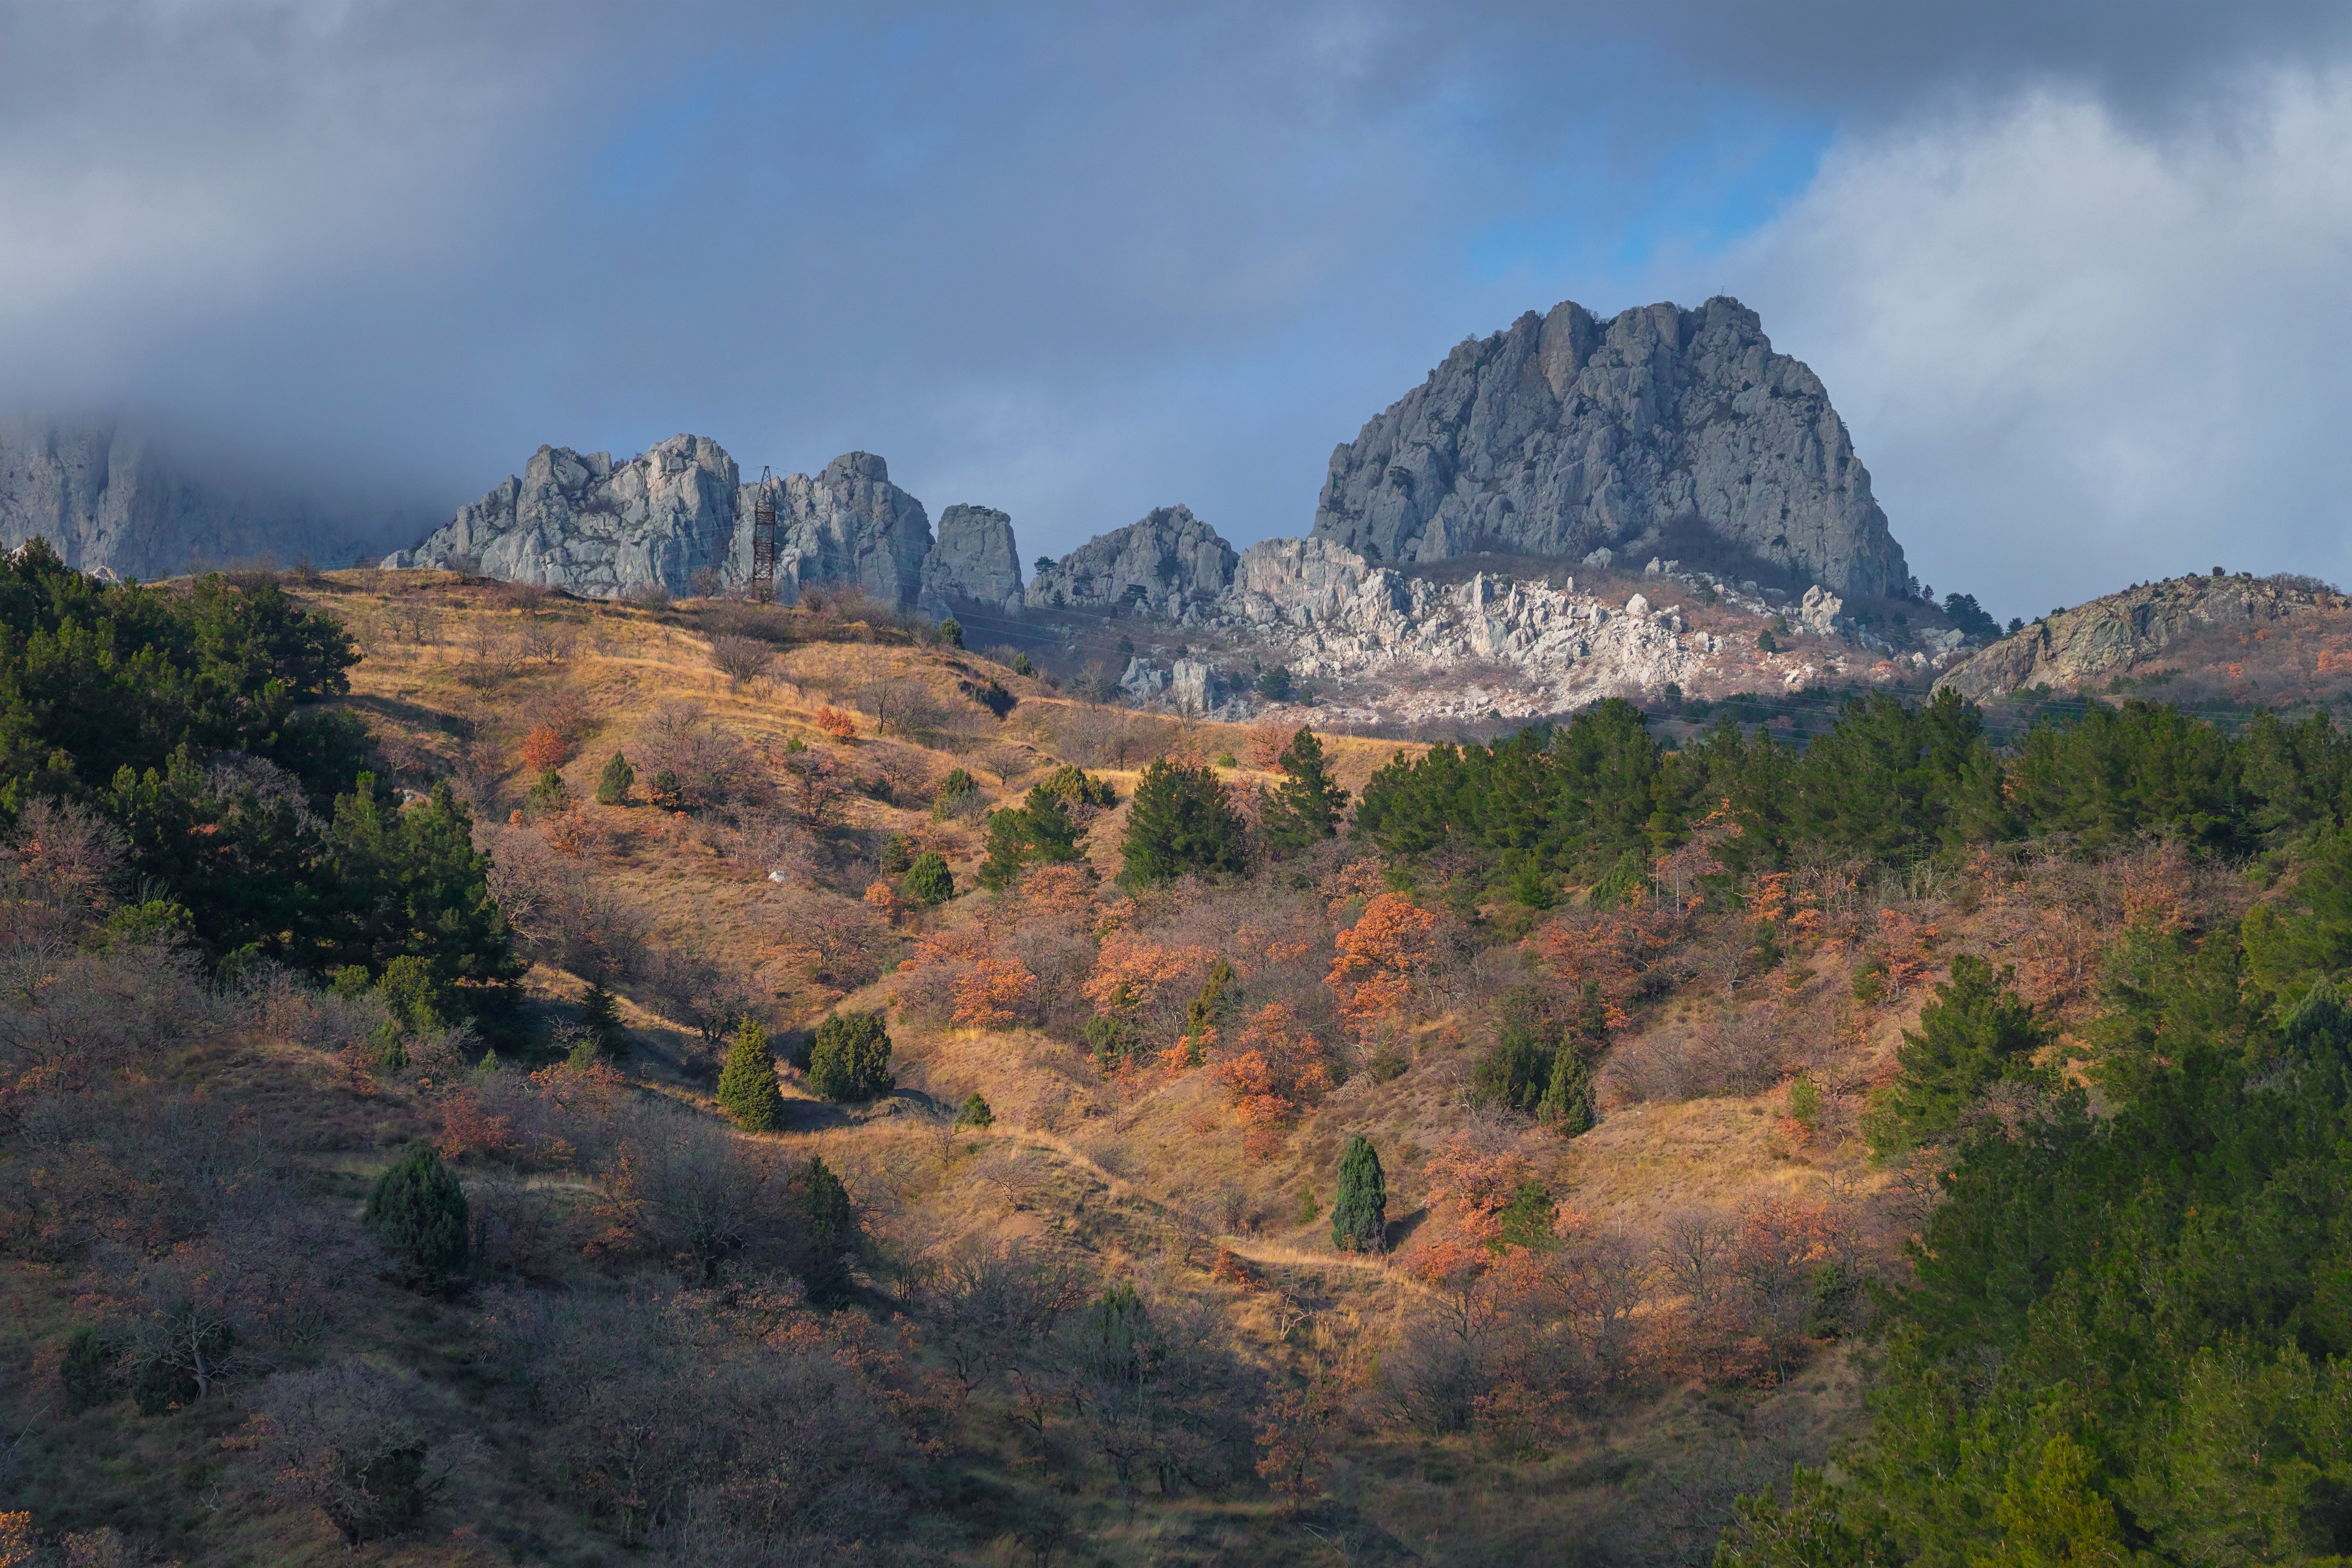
x,y
1168,564
1565,436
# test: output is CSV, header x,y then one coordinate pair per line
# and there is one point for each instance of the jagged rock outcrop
x,y
975,559
1169,565
848,524
594,527
2183,623
108,498
1561,436
581,523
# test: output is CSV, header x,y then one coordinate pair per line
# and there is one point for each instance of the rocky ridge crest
x,y
2175,625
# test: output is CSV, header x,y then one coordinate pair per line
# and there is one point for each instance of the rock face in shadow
x,y
975,559
108,498
1562,434
1168,564
586,524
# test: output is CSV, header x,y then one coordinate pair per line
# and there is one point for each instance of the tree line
x,y
191,721
1591,800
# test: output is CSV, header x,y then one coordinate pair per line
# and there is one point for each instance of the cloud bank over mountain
x,y
2068,271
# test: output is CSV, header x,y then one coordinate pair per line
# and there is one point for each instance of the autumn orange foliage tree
x,y
1273,1070
1382,960
992,992
837,724
544,749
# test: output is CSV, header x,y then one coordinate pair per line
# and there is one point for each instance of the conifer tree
x,y
1182,821
975,1112
850,1058
1039,829
832,1222
418,1211
600,1014
1304,807
1360,1210
613,783
928,879
747,1084
1976,1031
1568,1102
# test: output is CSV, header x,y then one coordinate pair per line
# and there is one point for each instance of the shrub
x,y
747,1084
1359,1209
897,854
951,632
975,1112
90,1370
832,1222
1766,643
613,783
956,793
549,794
850,1057
1021,666
837,724
544,750
417,1001
418,1211
928,881
1073,787
1516,1072
666,792
741,658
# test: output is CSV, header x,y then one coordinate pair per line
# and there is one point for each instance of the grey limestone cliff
x,y
974,560
107,496
1169,564
1563,433
597,528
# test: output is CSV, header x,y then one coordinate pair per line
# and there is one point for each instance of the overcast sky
x,y
2074,273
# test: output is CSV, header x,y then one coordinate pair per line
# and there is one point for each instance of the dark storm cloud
x,y
1072,260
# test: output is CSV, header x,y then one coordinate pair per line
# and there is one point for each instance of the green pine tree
x,y
747,1084
850,1057
1037,830
1976,1031
929,879
832,1227
1360,1210
612,785
600,1014
897,854
1305,808
975,1112
1567,1106
1182,821
418,1211
951,632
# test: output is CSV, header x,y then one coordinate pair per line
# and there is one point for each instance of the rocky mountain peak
x,y
1167,563
1563,433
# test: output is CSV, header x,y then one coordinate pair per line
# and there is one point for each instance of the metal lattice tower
x,y
763,541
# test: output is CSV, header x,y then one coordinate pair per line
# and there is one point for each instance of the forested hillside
x,y
495,1078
